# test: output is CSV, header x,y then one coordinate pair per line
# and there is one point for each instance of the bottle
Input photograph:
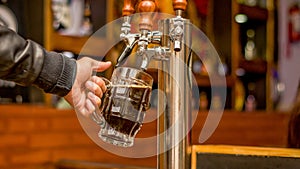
x,y
250,48
250,102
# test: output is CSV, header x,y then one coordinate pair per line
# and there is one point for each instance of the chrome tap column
x,y
175,100
173,51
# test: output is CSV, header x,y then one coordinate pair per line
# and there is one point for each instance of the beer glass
x,y
124,105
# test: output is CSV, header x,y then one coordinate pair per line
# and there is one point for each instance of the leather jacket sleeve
x,y
27,63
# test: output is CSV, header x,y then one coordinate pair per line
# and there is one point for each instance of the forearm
x,y
25,62
57,74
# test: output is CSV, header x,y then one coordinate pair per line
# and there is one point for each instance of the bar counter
x,y
34,136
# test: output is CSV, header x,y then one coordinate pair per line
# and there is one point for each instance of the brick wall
x,y
260,128
35,137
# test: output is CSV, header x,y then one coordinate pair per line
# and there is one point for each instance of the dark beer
x,y
124,107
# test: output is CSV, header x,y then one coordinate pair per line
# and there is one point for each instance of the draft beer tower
x,y
172,49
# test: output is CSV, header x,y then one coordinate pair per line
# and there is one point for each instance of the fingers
x,y
90,105
94,88
90,108
94,99
100,82
101,66
96,65
96,85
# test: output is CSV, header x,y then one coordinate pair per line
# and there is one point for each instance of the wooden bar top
x,y
243,157
247,150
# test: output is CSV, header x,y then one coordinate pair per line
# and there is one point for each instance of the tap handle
x,y
179,5
128,7
145,7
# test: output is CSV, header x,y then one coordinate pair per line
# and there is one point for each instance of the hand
x,y
87,90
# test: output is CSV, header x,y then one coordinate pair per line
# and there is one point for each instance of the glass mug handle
x,y
96,115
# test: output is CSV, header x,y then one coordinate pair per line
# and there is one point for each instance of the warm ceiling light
x,y
241,18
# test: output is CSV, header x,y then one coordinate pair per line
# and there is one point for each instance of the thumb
x,y
101,66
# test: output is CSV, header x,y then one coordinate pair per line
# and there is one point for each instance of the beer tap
x,y
146,9
128,9
129,39
145,35
176,32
